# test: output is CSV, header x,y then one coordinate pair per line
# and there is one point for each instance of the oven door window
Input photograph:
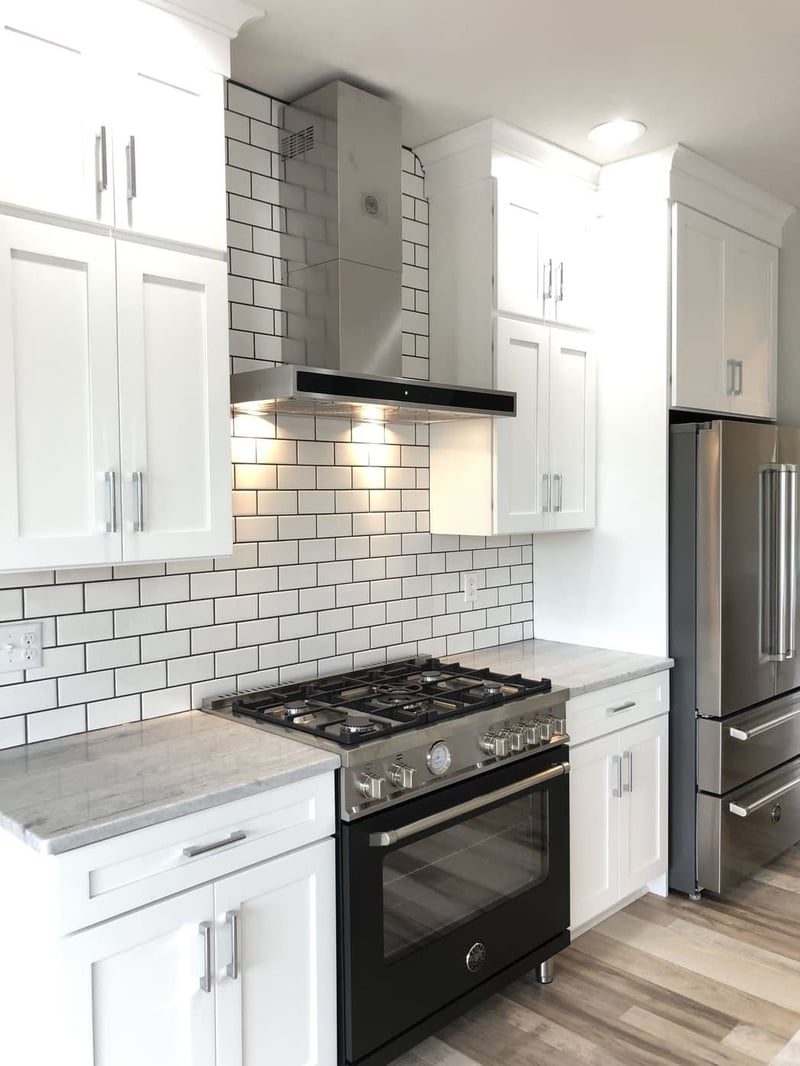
x,y
440,881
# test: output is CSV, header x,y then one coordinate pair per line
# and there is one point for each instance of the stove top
x,y
365,705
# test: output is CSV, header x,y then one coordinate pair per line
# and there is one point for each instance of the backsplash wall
x,y
333,567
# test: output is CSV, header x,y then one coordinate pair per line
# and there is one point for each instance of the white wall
x,y
789,324
608,587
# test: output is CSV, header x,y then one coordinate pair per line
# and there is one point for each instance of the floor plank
x,y
665,981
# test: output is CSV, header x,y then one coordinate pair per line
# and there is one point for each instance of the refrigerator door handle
x,y
778,560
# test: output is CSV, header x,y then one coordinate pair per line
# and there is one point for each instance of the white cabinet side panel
x,y
608,587
461,490
59,368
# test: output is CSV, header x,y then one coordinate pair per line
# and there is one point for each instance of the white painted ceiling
x,y
720,76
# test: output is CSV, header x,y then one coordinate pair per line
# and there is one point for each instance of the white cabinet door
x,y
572,417
174,403
521,358
58,403
279,1004
523,279
169,153
751,314
51,119
133,987
594,814
700,378
644,784
570,248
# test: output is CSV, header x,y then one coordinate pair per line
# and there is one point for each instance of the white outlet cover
x,y
20,647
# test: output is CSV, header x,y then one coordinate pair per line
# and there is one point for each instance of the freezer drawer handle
x,y
757,730
751,808
394,836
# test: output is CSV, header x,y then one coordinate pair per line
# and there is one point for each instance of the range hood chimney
x,y
342,154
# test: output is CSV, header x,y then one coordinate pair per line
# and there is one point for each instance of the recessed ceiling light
x,y
617,132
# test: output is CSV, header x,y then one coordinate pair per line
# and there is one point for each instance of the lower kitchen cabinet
x,y
215,975
618,809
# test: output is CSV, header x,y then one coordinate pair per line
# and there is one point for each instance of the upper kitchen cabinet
x,y
725,310
118,117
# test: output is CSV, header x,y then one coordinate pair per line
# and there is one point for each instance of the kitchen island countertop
x,y
63,794
574,666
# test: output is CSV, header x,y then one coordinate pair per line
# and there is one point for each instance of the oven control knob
x,y
495,744
559,726
516,738
371,786
546,728
533,734
401,776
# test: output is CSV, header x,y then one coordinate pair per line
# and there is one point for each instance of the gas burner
x,y
492,688
358,726
399,697
293,708
429,676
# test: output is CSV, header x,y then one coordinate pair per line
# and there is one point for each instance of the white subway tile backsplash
x,y
80,628
167,701
58,661
213,638
12,731
84,688
159,646
139,620
10,605
60,722
142,678
53,599
191,668
105,654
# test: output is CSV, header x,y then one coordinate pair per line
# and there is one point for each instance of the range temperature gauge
x,y
439,758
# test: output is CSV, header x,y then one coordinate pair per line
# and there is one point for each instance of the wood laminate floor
x,y
663,981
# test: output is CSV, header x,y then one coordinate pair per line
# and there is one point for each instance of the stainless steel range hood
x,y
341,242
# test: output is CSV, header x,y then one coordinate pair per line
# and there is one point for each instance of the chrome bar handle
x,y
111,501
560,293
545,492
731,368
205,932
471,806
547,272
616,762
740,378
778,560
627,759
138,484
626,705
764,727
130,157
232,969
101,147
751,808
557,485
201,849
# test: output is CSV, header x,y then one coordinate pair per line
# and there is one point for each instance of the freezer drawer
x,y
733,751
748,828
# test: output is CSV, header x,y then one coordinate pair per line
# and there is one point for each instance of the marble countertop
x,y
575,666
62,794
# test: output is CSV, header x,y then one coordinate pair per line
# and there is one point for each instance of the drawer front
x,y
748,828
105,879
733,751
605,710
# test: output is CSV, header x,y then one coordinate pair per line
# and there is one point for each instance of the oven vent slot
x,y
297,143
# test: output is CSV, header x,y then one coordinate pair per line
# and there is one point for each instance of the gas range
x,y
408,727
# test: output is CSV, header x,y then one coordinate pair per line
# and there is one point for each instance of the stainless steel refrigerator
x,y
735,696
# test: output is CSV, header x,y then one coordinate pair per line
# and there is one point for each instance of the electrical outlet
x,y
20,646
470,588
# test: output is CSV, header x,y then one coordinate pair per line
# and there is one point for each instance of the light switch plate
x,y
470,588
20,646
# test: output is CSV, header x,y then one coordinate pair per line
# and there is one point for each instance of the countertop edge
x,y
618,679
71,840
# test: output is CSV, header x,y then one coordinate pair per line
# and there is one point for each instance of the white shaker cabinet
x,y
174,422
59,409
533,473
618,795
520,271
724,325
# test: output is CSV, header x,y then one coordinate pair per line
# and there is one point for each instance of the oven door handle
x,y
394,836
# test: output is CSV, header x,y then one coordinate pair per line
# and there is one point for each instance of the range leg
x,y
544,972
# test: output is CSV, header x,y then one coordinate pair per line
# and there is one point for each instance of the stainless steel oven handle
x,y
751,808
757,730
394,836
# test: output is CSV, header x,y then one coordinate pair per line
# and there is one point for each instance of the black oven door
x,y
445,891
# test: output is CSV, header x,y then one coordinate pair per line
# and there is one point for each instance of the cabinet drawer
x,y
105,879
596,713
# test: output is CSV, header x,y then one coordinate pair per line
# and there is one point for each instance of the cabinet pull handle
x,y
205,932
617,762
232,969
557,491
731,367
102,153
560,293
130,157
624,706
138,484
111,489
740,377
201,849
548,285
627,758
545,492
